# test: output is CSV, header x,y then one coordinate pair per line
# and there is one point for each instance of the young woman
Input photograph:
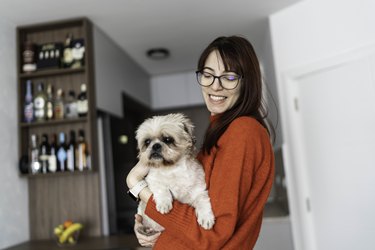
x,y
237,156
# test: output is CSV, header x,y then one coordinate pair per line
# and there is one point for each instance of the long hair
x,y
238,56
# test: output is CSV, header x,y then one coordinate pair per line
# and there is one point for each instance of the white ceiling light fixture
x,y
158,53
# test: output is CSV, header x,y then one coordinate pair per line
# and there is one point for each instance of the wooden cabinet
x,y
55,197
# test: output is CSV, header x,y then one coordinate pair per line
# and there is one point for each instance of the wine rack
x,y
57,196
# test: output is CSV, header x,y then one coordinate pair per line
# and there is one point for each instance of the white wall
x,y
115,73
306,33
175,90
14,213
270,89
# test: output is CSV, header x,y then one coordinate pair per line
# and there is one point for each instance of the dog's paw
x,y
164,207
206,220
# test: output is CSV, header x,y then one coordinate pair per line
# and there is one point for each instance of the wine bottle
x,y
50,112
82,103
35,166
81,151
52,160
59,105
44,151
71,110
62,153
67,58
40,102
78,53
71,162
29,105
29,57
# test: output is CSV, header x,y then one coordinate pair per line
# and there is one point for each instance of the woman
x,y
237,156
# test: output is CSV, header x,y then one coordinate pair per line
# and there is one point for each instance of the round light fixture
x,y
157,53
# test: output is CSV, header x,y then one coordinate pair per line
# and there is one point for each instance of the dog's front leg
x,y
203,210
163,199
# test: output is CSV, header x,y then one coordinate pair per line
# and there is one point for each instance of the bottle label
x,y
29,112
49,110
82,106
68,56
39,104
78,52
70,158
61,156
52,163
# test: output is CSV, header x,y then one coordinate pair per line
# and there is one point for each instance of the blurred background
x,y
318,62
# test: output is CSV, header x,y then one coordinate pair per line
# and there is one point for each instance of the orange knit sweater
x,y
239,175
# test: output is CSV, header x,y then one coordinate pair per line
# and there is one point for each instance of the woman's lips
x,y
217,98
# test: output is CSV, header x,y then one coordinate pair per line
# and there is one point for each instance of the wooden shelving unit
x,y
68,195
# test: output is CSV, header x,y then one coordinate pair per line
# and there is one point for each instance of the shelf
x,y
51,72
57,174
53,122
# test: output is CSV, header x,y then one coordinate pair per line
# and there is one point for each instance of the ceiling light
x,y
157,53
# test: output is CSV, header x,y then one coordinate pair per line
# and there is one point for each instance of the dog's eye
x,y
147,142
168,140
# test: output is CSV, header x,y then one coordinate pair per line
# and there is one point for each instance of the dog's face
x,y
163,140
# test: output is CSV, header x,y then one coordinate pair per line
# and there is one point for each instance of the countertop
x,y
114,242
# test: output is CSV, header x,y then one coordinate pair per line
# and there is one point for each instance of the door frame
x,y
294,161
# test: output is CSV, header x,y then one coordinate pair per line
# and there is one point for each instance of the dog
x,y
167,146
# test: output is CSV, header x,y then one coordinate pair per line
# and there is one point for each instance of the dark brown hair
x,y
238,56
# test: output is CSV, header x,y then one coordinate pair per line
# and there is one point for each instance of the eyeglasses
x,y
229,82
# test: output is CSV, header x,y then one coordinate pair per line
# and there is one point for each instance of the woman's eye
x,y
231,78
206,75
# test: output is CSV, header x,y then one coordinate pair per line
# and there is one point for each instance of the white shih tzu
x,y
166,146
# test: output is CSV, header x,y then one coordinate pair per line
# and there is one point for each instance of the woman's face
x,y
218,99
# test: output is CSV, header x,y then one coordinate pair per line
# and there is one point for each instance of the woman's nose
x,y
216,84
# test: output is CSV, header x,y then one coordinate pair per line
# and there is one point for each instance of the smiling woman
x,y
236,155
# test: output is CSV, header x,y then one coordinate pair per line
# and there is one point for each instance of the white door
x,y
335,117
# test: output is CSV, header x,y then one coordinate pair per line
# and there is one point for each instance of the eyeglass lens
x,y
226,81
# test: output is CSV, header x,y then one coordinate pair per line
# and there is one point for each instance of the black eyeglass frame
x,y
240,77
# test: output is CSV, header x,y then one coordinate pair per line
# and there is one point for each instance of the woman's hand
x,y
137,174
145,240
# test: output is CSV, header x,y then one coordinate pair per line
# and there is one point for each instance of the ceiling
x,y
183,27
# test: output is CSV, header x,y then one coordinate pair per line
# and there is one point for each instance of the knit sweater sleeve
x,y
243,149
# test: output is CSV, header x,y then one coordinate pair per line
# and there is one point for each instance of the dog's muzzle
x,y
156,151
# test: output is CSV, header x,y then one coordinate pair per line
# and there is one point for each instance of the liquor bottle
x,y
67,58
59,105
82,104
62,153
44,153
35,166
81,151
29,105
52,160
50,112
71,110
71,161
40,103
78,53
29,57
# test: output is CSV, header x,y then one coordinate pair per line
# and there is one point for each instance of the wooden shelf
x,y
58,174
51,72
53,122
55,196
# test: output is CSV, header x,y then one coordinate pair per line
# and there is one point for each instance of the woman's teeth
x,y
217,98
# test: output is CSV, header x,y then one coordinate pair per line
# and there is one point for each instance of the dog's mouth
x,y
156,156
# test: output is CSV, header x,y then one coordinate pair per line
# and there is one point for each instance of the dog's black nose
x,y
156,147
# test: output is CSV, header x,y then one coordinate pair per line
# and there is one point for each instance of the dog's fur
x,y
166,145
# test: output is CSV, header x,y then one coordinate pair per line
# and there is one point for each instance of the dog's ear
x,y
188,127
190,130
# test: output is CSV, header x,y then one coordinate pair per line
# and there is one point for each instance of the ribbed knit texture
x,y
239,175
